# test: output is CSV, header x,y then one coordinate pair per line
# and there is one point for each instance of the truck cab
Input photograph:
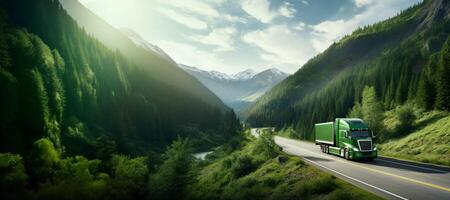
x,y
350,138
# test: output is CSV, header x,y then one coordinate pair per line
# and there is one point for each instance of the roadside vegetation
x,y
407,131
258,169
428,140
244,168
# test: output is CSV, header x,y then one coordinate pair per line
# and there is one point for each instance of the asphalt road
x,y
386,177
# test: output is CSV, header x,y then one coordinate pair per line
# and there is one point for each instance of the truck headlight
x,y
355,149
374,148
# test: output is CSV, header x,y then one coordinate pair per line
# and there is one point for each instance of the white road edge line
x,y
351,178
419,167
354,179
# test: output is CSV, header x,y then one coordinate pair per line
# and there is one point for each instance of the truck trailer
x,y
346,137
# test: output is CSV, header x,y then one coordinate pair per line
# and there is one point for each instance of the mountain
x,y
147,56
238,90
246,74
63,85
141,42
399,57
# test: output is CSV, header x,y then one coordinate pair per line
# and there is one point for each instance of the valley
x,y
240,90
136,100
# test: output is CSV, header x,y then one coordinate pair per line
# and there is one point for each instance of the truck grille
x,y
365,145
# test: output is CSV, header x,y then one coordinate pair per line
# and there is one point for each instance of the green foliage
x,y
130,177
246,175
75,178
175,172
443,78
12,176
105,148
426,91
406,117
241,165
45,159
76,169
356,111
427,143
266,147
371,109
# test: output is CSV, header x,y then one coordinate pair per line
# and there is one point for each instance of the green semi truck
x,y
346,137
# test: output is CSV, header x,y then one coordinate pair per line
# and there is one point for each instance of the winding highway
x,y
386,177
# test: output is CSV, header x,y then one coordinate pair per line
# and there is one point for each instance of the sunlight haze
x,y
230,36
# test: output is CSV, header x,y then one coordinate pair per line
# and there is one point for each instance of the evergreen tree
x,y
425,93
371,109
356,111
443,78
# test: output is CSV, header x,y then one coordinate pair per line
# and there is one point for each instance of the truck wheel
x,y
346,154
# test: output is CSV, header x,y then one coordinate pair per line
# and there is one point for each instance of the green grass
x,y
279,177
429,142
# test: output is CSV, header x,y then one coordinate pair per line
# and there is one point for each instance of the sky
x,y
234,35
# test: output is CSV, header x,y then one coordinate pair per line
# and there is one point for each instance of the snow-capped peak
x,y
244,75
275,71
209,74
240,76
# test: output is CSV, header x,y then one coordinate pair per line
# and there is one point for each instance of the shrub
x,y
45,159
242,166
76,169
12,176
130,176
406,118
266,147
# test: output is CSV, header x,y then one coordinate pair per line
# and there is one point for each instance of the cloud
x,y
305,2
183,19
300,26
191,6
361,3
191,55
223,38
287,10
259,9
232,18
327,32
280,45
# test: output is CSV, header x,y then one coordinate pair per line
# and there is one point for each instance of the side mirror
x,y
347,134
373,136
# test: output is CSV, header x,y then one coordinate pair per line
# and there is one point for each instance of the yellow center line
x,y
404,178
386,173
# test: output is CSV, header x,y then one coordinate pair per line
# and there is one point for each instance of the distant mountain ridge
x,y
237,90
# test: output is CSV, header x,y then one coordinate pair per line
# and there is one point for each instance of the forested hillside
x,y
157,65
401,61
80,120
57,82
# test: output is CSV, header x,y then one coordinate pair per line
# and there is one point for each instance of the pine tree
x,y
371,109
443,78
356,112
425,93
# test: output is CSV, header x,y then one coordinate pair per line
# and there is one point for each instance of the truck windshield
x,y
359,134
